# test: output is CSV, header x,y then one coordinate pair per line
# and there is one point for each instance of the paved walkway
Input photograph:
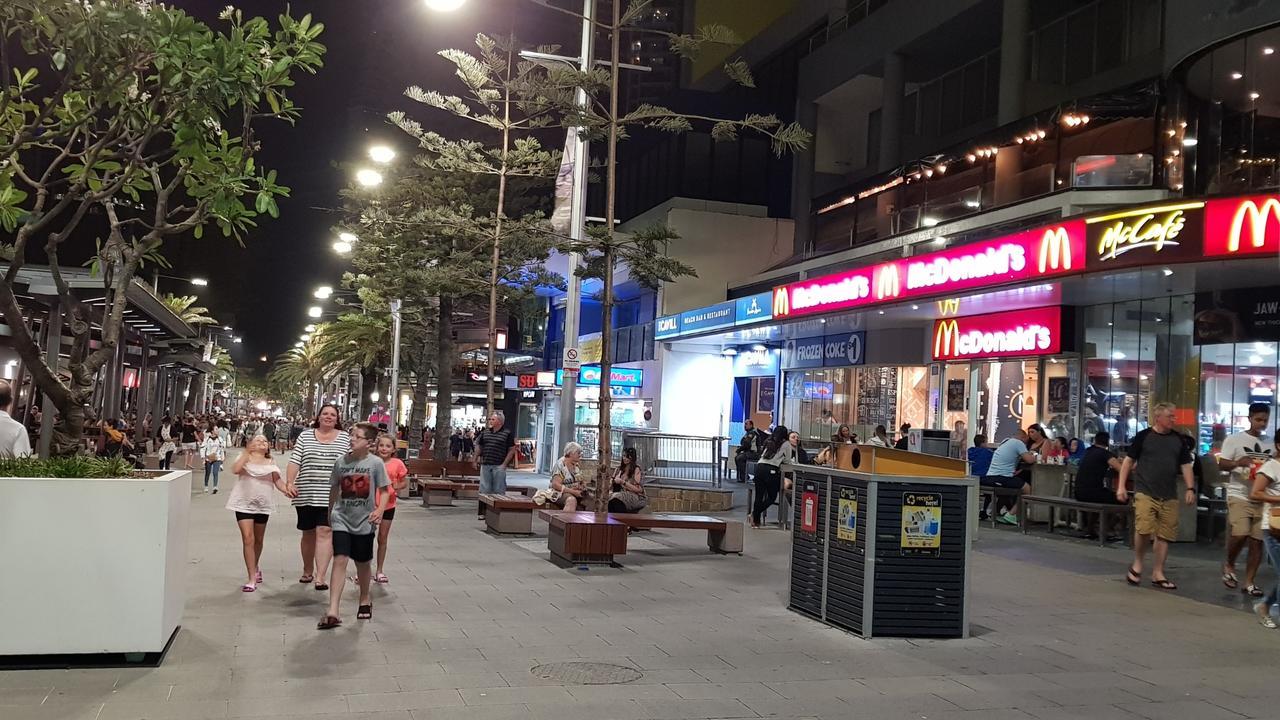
x,y
1057,634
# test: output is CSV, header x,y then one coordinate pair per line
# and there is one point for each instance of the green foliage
x,y
74,466
644,252
184,306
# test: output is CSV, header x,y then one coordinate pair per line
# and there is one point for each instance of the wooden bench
x,y
525,490
466,490
421,469
584,537
461,469
996,494
437,492
508,514
1105,510
723,536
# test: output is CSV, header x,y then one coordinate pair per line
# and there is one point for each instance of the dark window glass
x,y
974,93
952,102
1109,51
1080,37
1050,53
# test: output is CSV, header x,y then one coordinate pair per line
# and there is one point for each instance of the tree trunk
x,y
369,382
497,235
444,377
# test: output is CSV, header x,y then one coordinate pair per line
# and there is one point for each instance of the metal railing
x,y
681,458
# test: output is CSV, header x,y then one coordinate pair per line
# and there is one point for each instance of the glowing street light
x,y
309,328
199,281
381,154
368,178
445,5
237,339
262,359
347,237
323,292
315,311
374,396
342,247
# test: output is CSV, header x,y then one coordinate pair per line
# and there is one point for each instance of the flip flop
x,y
321,587
364,612
257,579
328,622
381,579
1253,591
1164,584
1133,577
248,588
1230,580
307,579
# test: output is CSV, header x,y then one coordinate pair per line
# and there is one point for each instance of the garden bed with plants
x,y
76,466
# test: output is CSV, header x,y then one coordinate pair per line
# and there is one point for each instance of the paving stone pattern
x,y
467,616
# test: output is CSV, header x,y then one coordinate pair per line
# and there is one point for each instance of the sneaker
x,y
206,491
215,491
1008,519
1263,611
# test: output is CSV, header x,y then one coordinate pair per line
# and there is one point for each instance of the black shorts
x,y
311,517
1002,481
356,547
257,518
389,514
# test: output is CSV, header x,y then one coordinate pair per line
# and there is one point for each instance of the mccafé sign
x,y
1170,232
1030,255
1037,331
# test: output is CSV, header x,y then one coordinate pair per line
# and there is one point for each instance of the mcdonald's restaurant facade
x,y
1079,324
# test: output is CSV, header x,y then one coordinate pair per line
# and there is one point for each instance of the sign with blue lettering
x,y
708,318
754,308
844,349
755,363
803,353
666,326
618,376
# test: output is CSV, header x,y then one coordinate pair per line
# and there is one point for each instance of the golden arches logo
x,y
946,338
1259,218
1055,249
888,283
781,302
949,306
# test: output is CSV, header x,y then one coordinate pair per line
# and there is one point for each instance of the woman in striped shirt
x,y
310,467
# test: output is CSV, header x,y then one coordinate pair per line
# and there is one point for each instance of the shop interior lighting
x,y
880,312
1117,355
1255,359
1189,142
1143,377
759,347
1268,50
1237,75
915,307
1254,95
729,352
928,221
1166,271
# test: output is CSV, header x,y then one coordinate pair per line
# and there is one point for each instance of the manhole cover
x,y
587,673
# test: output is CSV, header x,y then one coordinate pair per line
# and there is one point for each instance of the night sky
x,y
376,48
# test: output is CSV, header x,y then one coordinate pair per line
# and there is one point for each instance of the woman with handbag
x,y
628,485
214,452
1266,490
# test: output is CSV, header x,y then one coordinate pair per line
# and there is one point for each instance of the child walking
x,y
396,473
253,501
356,504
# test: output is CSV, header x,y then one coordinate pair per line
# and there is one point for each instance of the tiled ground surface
x,y
1057,635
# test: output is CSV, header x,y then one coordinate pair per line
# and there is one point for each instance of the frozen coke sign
x,y
1037,331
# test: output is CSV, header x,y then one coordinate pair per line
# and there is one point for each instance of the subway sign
x,y
1037,331
1169,232
1041,253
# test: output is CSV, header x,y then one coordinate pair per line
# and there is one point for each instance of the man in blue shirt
x,y
1003,471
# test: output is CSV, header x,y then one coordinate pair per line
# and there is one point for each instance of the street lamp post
x,y
155,281
393,393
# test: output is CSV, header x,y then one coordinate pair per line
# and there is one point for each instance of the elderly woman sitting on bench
x,y
570,491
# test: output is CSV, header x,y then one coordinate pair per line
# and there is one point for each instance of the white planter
x,y
92,566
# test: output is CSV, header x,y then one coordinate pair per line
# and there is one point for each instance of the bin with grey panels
x,y
878,576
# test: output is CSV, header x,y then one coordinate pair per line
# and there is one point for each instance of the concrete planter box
x,y
96,568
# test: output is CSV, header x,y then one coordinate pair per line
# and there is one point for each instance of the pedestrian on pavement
x,y
749,449
396,475
1266,492
14,441
778,451
357,500
252,498
309,473
214,452
269,431
166,436
468,445
455,444
1242,454
495,451
627,493
1157,457
189,436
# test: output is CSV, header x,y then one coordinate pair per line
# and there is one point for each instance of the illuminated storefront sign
x,y
1242,226
1037,331
755,363
618,376
754,308
803,353
742,311
1163,233
1033,254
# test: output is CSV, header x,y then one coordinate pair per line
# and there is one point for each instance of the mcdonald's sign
x,y
949,306
1242,226
1037,331
888,283
781,302
1055,250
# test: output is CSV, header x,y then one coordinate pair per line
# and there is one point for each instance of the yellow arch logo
x,y
1258,218
1055,250
781,302
949,306
946,338
888,284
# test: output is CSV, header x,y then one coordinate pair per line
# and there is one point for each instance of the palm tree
x,y
310,365
184,307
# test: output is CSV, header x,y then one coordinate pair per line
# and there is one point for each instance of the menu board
x,y
877,399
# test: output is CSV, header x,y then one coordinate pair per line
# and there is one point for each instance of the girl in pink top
x,y
396,473
253,500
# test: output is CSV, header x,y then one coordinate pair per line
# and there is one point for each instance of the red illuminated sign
x,y
527,381
1043,252
1037,331
1242,226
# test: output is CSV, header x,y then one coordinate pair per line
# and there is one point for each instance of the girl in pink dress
x,y
253,500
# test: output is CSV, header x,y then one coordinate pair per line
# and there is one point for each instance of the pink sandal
x,y
248,588
257,579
